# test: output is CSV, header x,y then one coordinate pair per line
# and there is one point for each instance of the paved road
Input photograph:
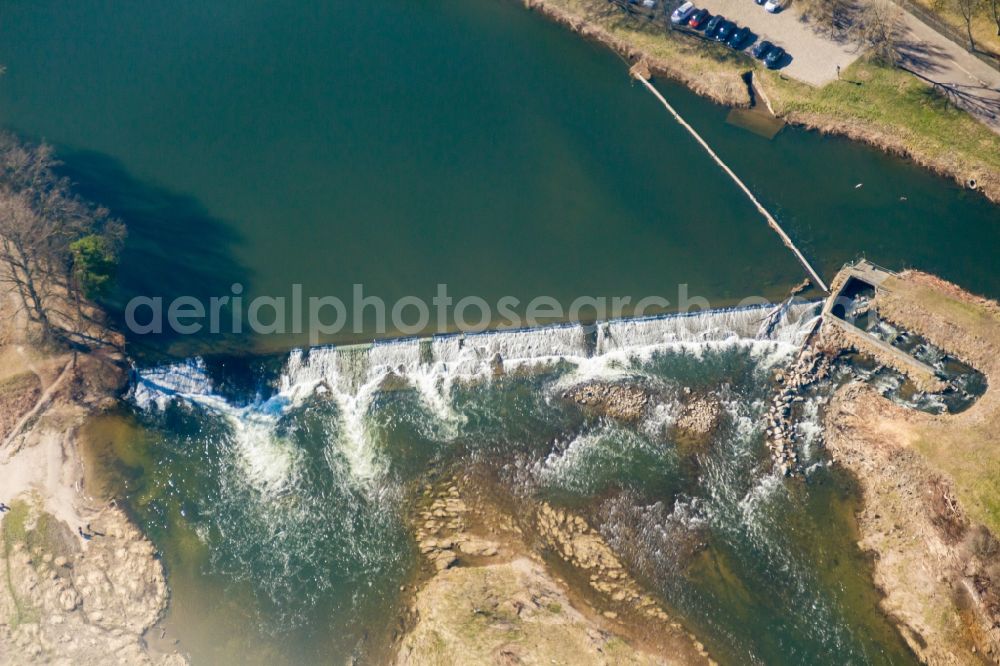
x,y
968,81
815,54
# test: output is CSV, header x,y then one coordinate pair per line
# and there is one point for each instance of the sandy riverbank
x,y
65,599
930,492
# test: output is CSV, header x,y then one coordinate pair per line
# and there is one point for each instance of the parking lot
x,y
814,57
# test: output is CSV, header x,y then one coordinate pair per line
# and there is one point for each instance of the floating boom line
x,y
773,223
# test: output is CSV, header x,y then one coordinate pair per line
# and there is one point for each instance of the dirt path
x,y
43,400
967,81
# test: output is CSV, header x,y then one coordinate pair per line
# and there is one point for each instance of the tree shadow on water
x,y
174,248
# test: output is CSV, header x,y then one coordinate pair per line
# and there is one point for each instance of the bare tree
x,y
20,246
969,9
834,15
878,28
43,228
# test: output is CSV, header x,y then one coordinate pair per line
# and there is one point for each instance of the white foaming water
x,y
620,343
353,375
354,443
660,418
158,386
731,507
516,348
705,326
268,462
575,466
810,428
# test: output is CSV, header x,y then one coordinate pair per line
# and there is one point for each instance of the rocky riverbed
x,y
492,598
782,431
630,401
619,400
71,601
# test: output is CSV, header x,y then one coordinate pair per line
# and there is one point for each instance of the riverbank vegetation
x,y
66,596
978,21
931,483
56,250
708,68
873,102
967,448
894,110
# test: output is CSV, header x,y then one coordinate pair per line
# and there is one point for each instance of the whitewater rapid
x,y
353,375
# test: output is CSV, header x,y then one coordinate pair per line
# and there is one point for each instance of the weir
x,y
641,73
348,369
353,375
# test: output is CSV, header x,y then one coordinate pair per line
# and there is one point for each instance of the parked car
x,y
699,18
760,2
725,30
713,24
739,38
762,49
774,57
774,6
682,13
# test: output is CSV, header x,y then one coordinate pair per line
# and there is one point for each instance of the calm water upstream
x,y
411,144
401,145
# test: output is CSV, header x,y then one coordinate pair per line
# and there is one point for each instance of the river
x,y
470,144
405,145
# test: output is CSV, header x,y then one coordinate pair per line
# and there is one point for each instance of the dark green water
x,y
467,143
470,143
